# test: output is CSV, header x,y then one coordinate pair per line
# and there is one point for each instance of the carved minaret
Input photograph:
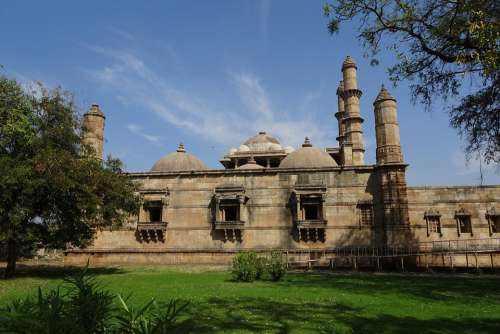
x,y
387,129
393,200
352,118
340,113
93,124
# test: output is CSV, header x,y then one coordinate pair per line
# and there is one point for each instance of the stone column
x,y
352,117
93,126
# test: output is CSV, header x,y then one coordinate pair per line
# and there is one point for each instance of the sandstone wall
x,y
448,200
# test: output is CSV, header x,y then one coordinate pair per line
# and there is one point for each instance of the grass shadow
x,y
433,287
58,272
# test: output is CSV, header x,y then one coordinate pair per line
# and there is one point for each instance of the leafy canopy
x,y
50,193
439,45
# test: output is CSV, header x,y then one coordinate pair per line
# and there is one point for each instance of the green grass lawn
x,y
303,302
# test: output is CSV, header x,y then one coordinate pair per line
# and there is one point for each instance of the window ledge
x,y
319,223
146,226
230,224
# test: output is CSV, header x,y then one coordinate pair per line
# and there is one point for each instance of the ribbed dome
x,y
383,95
308,157
262,142
251,164
178,161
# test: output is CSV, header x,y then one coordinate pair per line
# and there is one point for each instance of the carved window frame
x,y
228,193
428,216
155,198
463,214
314,229
492,215
362,207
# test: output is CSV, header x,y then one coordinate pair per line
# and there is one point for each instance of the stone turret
x,y
93,123
352,119
387,129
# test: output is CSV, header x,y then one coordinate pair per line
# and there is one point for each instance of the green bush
x,y
247,267
83,307
275,268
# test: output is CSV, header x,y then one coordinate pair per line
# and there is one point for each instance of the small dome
x,y
348,62
251,164
308,157
289,149
384,95
263,142
233,151
178,161
243,148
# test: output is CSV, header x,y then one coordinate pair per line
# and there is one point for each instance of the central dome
x,y
261,142
178,161
308,157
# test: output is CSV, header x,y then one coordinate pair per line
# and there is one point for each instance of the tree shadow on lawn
x,y
439,287
58,272
224,315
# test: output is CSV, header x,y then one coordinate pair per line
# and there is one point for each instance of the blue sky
x,y
211,74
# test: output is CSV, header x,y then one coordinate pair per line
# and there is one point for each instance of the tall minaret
x,y
352,118
93,125
339,115
387,129
392,204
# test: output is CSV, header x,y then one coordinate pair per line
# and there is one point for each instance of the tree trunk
x,y
11,258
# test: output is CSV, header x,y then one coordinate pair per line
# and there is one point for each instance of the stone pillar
x,y
352,119
393,201
93,127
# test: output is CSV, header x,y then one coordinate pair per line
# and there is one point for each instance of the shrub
x,y
85,307
275,267
247,267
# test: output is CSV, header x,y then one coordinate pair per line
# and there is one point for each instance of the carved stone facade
x,y
267,197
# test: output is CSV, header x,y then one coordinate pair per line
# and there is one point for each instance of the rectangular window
x,y
365,214
311,208
230,210
434,224
154,214
311,212
464,224
495,224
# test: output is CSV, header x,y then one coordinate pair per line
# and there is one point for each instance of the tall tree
x,y
439,46
52,195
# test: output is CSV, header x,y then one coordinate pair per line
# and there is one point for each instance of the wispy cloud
x,y
121,33
135,129
264,13
134,83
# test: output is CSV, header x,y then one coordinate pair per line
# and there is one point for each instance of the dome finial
x,y
307,142
252,160
181,148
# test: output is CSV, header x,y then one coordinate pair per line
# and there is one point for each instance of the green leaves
x,y
439,45
85,307
44,176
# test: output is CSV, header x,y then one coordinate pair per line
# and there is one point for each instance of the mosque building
x,y
307,199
